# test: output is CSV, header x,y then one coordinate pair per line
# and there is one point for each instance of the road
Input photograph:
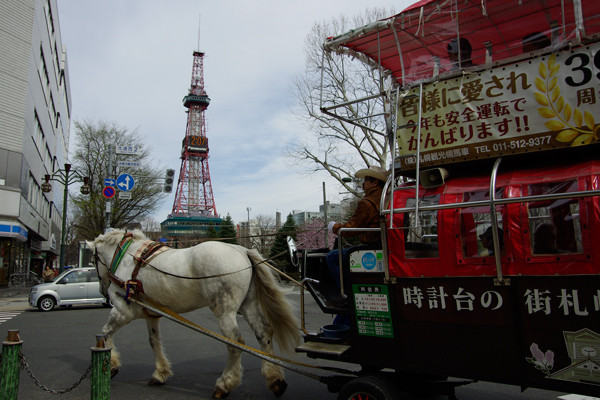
x,y
57,348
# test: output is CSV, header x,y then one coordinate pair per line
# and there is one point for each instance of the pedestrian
x,y
48,274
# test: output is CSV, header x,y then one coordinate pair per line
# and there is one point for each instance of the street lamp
x,y
65,176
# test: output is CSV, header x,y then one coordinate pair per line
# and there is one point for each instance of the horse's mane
x,y
115,236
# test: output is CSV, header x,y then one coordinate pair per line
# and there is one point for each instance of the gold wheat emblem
x,y
572,125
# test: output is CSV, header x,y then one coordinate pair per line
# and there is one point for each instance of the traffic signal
x,y
169,177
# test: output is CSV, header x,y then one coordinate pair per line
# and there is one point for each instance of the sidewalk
x,y
19,291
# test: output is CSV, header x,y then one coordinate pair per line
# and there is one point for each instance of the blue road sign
x,y
109,182
125,182
108,192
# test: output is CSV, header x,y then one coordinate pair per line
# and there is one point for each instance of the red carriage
x,y
489,267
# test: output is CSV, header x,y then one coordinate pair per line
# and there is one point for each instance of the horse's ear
x,y
90,245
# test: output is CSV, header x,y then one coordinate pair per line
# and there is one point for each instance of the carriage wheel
x,y
369,387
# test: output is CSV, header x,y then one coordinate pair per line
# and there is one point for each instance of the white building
x,y
334,213
35,113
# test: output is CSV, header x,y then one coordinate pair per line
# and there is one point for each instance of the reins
x,y
127,239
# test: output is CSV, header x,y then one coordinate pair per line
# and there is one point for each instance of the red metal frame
x,y
194,195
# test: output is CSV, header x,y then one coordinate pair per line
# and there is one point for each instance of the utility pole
x,y
325,215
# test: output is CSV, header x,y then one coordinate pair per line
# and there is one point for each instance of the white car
x,y
73,286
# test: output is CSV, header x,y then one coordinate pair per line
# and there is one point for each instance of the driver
x,y
366,215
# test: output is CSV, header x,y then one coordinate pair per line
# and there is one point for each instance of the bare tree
x,y
150,227
262,233
91,158
339,147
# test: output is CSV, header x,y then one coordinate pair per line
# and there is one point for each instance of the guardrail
x,y
24,279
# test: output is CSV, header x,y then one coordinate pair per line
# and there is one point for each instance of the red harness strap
x,y
143,255
146,253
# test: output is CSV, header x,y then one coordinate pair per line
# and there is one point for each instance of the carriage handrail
x,y
492,203
478,203
503,201
494,219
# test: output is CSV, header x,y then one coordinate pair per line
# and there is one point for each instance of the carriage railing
x,y
492,203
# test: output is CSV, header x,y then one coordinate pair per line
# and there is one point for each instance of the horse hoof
x,y
278,387
155,382
220,394
113,372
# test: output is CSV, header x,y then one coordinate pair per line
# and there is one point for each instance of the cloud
x,y
130,62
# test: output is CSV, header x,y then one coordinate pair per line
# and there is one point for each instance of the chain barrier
x,y
27,368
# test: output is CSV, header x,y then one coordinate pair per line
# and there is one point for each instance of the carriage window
x,y
420,240
476,225
554,225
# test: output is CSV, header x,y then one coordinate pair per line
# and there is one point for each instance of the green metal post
x,y
100,374
63,232
9,366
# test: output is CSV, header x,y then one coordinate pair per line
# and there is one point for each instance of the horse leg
x,y
273,374
162,366
232,374
116,320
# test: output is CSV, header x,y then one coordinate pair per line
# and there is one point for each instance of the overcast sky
x,y
130,62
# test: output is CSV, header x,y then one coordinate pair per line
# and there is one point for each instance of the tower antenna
x,y
199,25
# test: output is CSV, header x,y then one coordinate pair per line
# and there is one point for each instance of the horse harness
x,y
147,252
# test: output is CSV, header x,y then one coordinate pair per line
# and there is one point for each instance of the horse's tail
x,y
286,327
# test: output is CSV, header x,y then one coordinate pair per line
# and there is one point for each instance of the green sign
x,y
373,315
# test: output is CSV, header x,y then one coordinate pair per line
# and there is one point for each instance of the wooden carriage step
x,y
336,349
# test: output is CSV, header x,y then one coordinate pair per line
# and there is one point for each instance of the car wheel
x,y
46,303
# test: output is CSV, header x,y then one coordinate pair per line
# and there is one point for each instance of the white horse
x,y
229,279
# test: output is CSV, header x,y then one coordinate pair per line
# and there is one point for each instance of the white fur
x,y
232,285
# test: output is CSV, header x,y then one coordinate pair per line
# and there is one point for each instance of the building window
x,y
43,73
38,136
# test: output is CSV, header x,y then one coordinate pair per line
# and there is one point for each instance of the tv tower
x,y
194,195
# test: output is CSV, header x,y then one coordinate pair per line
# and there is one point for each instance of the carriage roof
x,y
509,100
409,44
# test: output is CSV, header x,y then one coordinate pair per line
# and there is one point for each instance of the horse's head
x,y
104,247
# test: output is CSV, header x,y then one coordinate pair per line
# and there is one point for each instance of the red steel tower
x,y
194,196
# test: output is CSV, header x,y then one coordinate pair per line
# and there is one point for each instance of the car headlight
x,y
33,290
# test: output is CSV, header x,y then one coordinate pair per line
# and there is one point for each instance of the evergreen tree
x,y
211,232
289,228
228,231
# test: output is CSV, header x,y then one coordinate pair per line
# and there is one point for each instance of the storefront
x,y
14,253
